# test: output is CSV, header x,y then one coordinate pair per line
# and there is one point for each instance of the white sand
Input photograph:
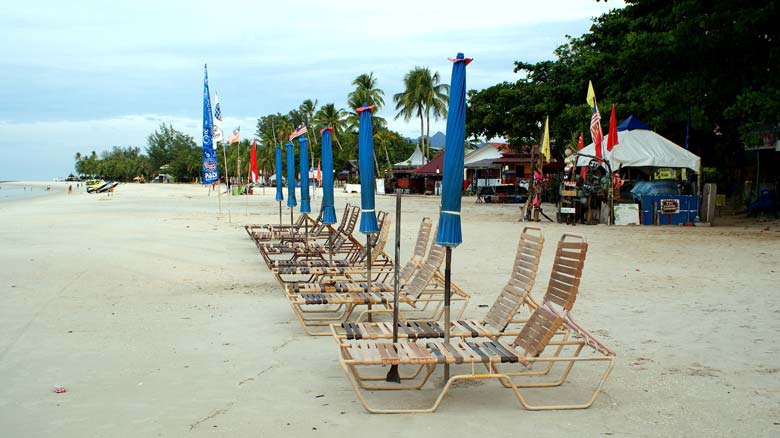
x,y
160,320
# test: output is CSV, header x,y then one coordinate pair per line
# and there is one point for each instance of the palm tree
x,y
78,156
308,109
329,116
410,103
423,95
383,137
366,91
435,96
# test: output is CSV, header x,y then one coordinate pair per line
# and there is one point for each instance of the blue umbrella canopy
x,y
291,202
305,203
452,184
279,195
328,209
368,223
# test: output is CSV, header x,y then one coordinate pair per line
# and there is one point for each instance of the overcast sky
x,y
88,75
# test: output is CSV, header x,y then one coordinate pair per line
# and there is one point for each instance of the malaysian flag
x,y
595,122
298,132
234,137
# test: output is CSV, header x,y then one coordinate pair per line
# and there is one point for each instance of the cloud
x,y
83,75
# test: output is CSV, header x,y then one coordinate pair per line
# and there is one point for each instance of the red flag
x,y
612,137
581,142
253,162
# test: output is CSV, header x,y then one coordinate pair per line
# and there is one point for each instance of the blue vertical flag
x,y
210,169
305,203
291,202
368,224
449,233
328,208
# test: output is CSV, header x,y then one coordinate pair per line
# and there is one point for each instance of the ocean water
x,y
11,192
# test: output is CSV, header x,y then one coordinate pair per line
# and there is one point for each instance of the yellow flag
x,y
591,99
546,141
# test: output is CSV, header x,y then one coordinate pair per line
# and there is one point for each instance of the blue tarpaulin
x,y
654,188
279,170
304,146
449,233
291,202
631,123
368,223
328,209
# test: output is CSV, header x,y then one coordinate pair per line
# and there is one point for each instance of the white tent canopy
x,y
417,159
643,148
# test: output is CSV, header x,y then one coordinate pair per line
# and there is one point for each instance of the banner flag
x,y
210,170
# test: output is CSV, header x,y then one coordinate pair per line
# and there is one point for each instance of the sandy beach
x,y
158,316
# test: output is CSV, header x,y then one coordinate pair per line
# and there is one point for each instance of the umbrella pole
x,y
280,213
368,272
306,228
330,245
392,374
291,216
447,292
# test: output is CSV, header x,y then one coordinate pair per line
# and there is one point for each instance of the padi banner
x,y
210,168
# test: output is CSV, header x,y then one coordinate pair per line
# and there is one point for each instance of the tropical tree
x,y
410,103
422,97
366,91
309,109
330,116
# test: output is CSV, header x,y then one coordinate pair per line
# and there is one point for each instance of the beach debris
x,y
482,305
319,396
637,269
59,389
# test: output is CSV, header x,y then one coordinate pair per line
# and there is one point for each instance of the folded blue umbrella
x,y
279,195
449,233
291,202
305,203
328,208
368,223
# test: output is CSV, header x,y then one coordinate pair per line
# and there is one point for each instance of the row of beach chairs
x,y
524,344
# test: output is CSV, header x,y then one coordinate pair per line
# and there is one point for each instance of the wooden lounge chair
x,y
422,297
351,268
268,232
515,294
343,244
381,268
542,330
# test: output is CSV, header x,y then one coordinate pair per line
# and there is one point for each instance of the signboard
x,y
568,210
670,206
765,138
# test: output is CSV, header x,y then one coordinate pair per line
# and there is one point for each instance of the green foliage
x,y
658,61
422,97
122,164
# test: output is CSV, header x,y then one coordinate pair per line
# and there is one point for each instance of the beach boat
x,y
94,184
106,187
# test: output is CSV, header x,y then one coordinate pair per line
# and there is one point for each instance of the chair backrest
x,y
537,331
423,235
566,271
424,274
349,227
518,289
344,218
378,240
